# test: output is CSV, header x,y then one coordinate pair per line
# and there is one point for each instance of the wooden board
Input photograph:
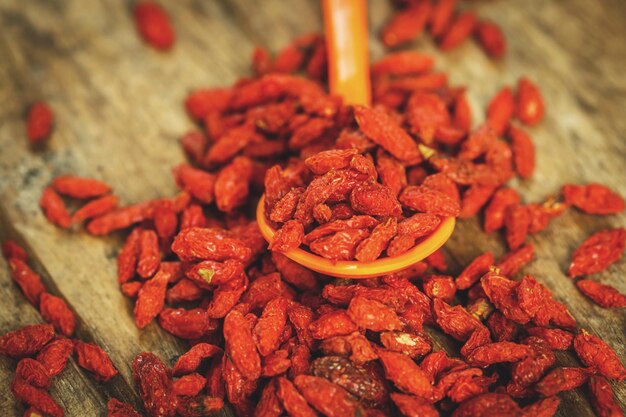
x,y
119,114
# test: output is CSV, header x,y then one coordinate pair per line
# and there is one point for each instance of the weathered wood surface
x,y
118,115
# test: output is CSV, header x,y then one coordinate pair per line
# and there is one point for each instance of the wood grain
x,y
118,116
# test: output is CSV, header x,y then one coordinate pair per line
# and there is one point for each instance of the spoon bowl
x,y
355,269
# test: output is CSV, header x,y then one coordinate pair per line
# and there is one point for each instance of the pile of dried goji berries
x,y
42,350
349,214
270,337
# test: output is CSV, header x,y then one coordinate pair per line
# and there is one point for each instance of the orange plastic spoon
x,y
345,22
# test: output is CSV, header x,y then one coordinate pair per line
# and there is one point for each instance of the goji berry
x,y
360,381
33,372
54,208
373,315
269,405
557,339
94,359
198,183
11,250
95,208
79,187
459,29
530,107
276,363
405,373
36,397
474,271
26,341
27,279
201,102
39,122
562,379
406,25
602,398
116,408
183,290
153,24
240,345
119,218
55,311
593,198
440,286
426,113
269,328
293,402
188,385
187,324
155,385
403,63
412,406
150,299
500,110
596,353
327,398
55,354
208,243
514,260
379,127
516,224
489,354
429,200
491,38
189,361
598,252
602,294
413,345
523,151
149,257
331,324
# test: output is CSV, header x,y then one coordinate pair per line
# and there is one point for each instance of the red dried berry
x,y
26,341
36,397
240,345
94,359
55,354
596,353
153,24
149,254
602,294
530,107
190,361
406,25
598,252
33,372
491,38
500,110
55,311
11,250
27,279
523,152
150,299
602,398
593,198
79,187
155,385
116,408
458,30
54,208
39,122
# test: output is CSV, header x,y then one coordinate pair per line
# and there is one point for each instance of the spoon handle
x,y
345,23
